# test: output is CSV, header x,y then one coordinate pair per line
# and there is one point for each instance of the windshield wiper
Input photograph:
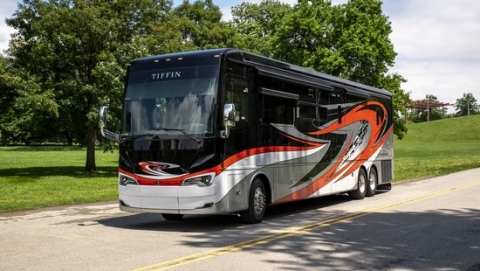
x,y
180,130
125,138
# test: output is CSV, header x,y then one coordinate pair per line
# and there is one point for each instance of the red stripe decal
x,y
359,113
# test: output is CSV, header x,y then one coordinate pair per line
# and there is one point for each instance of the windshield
x,y
174,99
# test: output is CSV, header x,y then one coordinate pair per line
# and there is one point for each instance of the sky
x,y
437,42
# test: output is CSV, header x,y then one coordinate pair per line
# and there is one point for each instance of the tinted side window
x,y
308,111
354,99
278,110
336,98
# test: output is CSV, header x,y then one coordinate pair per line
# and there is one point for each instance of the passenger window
x,y
336,98
307,111
278,110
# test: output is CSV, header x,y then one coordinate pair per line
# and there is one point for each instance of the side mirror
x,y
102,124
229,118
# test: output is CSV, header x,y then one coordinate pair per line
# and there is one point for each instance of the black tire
x,y
361,190
372,183
257,203
172,217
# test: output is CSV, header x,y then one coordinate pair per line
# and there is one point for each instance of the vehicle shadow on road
x,y
208,224
212,223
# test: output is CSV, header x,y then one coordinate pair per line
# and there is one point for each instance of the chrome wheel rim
x,y
361,183
373,181
259,200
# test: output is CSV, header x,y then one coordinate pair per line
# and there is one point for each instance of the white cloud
x,y
5,33
227,13
7,8
447,80
437,29
437,44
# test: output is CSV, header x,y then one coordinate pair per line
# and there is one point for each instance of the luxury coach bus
x,y
226,131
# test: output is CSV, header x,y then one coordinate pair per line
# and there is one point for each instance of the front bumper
x,y
170,199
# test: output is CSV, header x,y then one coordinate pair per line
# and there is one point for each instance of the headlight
x,y
125,180
203,181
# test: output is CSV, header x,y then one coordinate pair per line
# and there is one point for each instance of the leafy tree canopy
x,y
65,57
467,105
254,24
349,40
71,49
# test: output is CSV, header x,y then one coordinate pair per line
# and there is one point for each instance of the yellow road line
x,y
291,232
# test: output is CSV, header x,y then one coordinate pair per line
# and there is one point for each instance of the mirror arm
x,y
110,135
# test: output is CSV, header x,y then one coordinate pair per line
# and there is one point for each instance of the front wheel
x,y
257,203
361,190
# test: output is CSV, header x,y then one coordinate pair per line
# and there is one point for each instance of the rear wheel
x,y
361,190
372,182
172,217
257,203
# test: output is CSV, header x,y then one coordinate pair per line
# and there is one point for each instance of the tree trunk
x,y
90,165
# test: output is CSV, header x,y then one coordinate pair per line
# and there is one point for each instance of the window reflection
x,y
181,103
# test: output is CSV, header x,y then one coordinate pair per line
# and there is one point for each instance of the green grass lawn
x,y
437,148
35,177
421,160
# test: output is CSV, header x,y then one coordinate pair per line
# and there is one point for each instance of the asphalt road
x,y
432,224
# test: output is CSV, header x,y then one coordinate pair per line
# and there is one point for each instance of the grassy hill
x,y
438,147
461,129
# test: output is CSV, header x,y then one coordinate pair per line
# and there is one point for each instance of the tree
x,y
350,41
305,36
467,105
254,24
74,48
200,25
24,104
